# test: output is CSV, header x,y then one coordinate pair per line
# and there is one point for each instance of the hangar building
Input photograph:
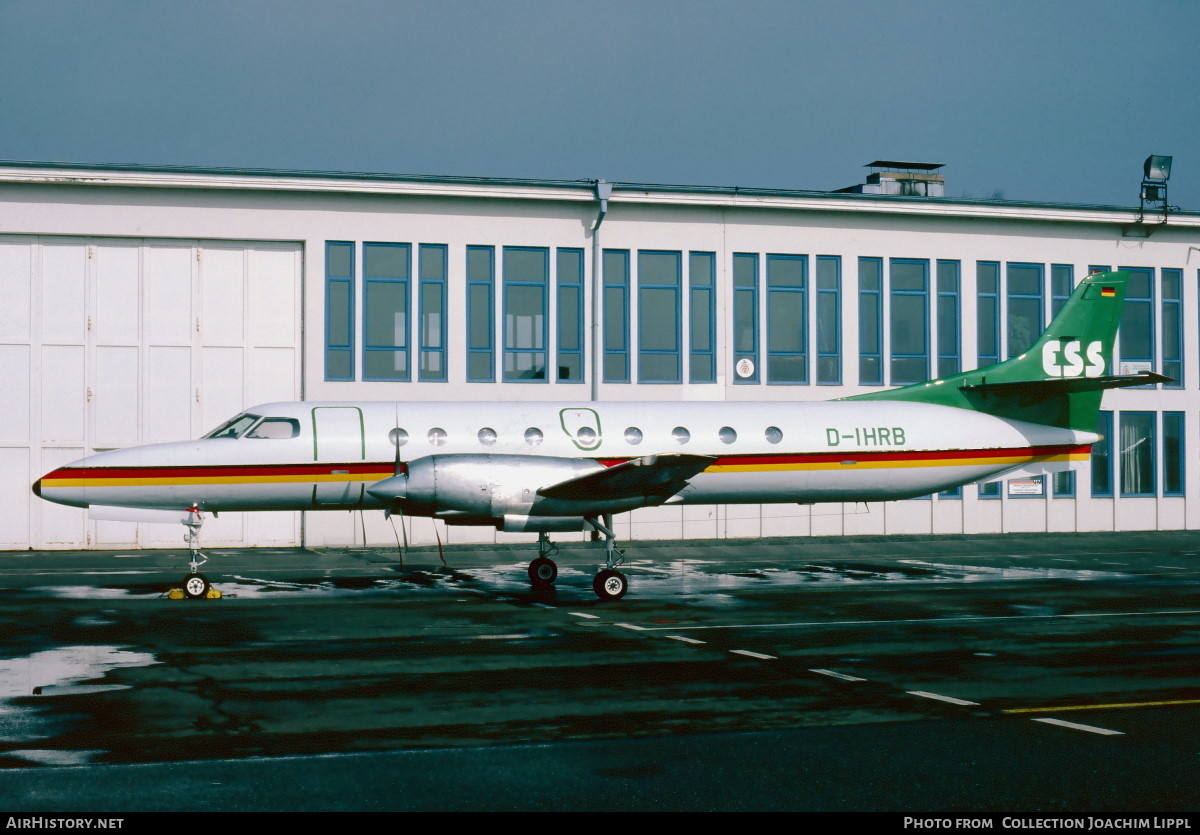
x,y
149,304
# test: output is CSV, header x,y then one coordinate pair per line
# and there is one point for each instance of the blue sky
x,y
1046,100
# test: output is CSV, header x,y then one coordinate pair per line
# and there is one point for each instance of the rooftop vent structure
x,y
907,179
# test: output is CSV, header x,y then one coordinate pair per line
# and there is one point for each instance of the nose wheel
x,y
195,584
543,571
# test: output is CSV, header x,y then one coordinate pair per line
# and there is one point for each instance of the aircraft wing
x,y
653,475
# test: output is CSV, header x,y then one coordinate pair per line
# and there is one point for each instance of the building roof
x,y
130,175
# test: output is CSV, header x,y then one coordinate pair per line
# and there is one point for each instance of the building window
x,y
829,320
616,316
1102,480
386,269
989,490
1137,322
1172,327
702,268
787,318
431,312
909,320
660,301
745,317
1064,485
1062,284
1026,306
949,360
481,327
870,321
1137,454
987,314
952,493
339,310
526,285
1173,451
569,277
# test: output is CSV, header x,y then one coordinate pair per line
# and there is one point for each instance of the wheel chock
x,y
176,594
213,593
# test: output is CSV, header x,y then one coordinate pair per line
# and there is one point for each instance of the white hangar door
x,y
108,343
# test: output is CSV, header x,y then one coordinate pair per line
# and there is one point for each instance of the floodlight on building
x,y
1157,167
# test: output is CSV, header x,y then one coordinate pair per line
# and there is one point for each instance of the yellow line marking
x,y
1101,707
902,464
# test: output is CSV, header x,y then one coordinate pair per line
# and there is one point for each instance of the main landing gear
x,y
609,584
195,584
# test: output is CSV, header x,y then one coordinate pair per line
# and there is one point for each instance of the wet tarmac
x,y
1008,674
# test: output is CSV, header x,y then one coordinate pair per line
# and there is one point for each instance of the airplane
x,y
549,467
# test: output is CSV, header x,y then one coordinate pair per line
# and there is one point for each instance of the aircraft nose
x,y
37,488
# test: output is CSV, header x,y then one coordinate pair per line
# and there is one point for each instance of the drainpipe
x,y
603,192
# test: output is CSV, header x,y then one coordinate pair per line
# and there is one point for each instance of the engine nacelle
x,y
481,486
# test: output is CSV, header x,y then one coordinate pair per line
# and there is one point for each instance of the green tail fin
x,y
1057,382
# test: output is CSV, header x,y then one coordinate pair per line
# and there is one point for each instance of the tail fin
x,y
1057,382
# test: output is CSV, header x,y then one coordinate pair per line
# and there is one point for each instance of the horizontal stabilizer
x,y
653,475
1064,385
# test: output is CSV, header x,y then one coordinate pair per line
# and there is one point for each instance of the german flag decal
x,y
1108,291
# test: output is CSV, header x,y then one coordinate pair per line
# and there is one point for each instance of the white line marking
x,y
1077,727
685,640
1179,567
543,605
758,655
1060,559
632,626
842,676
500,637
929,621
949,699
584,615
1106,562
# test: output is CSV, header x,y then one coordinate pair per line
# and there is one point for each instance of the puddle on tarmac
x,y
56,670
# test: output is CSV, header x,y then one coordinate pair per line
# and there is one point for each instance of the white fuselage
x,y
325,455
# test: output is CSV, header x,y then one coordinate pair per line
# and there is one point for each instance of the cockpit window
x,y
234,428
275,428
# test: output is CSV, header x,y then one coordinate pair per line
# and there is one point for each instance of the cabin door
x,y
338,442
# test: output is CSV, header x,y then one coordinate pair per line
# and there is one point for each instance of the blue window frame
x,y
616,315
1137,319
568,273
745,317
1025,286
481,321
339,310
660,316
1138,447
1062,283
526,313
1102,474
1174,468
990,490
702,312
1172,327
948,306
909,320
787,319
870,321
1064,485
829,320
987,313
386,310
952,493
431,312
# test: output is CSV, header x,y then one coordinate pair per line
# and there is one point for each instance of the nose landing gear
x,y
195,584
543,571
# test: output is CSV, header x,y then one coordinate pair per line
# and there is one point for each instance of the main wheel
x,y
610,585
195,586
543,572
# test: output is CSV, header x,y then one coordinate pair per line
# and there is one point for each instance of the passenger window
x,y
487,436
727,435
633,436
276,428
398,437
586,435
437,437
774,434
533,436
681,435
